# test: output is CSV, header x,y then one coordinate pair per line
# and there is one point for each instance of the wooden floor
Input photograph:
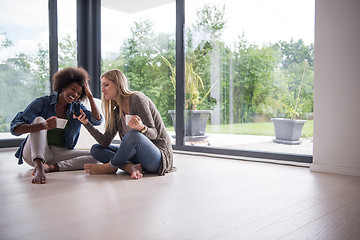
x,y
207,198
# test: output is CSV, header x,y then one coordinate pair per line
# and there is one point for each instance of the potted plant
x,y
288,130
195,119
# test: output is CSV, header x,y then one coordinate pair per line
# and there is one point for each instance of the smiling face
x,y
72,92
108,88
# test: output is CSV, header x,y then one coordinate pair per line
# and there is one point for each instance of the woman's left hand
x,y
82,117
95,111
136,123
87,89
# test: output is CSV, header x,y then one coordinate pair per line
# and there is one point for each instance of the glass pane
x,y
67,33
24,57
248,62
139,39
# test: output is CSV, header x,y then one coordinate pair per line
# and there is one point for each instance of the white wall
x,y
337,87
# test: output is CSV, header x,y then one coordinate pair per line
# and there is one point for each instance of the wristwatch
x,y
144,129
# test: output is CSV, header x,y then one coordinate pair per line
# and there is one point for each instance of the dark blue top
x,y
46,107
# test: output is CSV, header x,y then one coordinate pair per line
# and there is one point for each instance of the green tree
x,y
211,20
205,52
253,79
289,75
67,52
292,78
16,84
5,41
22,78
141,54
41,71
295,52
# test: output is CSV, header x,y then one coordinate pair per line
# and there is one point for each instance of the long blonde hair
x,y
122,89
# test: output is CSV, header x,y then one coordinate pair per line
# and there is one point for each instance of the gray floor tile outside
x,y
252,142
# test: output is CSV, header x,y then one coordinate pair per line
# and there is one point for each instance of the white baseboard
x,y
349,171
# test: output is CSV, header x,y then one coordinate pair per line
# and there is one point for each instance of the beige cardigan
x,y
142,106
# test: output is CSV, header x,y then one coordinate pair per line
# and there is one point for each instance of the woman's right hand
x,y
82,117
50,123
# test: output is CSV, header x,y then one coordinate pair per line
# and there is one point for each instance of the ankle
x,y
52,167
38,161
128,167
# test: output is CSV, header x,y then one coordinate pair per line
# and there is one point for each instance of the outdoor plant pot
x,y
288,131
195,123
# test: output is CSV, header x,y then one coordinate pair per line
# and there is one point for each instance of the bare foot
x,y
135,171
39,172
48,168
51,168
96,169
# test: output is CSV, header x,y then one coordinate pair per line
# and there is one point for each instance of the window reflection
x,y
67,49
24,57
137,42
255,57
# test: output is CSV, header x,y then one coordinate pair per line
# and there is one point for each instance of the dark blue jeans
x,y
135,147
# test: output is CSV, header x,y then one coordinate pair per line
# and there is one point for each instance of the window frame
x,y
89,57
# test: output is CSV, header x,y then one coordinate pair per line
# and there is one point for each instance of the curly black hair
x,y
67,76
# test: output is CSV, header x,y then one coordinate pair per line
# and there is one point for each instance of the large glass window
x,y
67,54
24,57
139,40
248,62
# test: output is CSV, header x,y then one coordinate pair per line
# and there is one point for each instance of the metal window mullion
x,y
180,72
53,39
89,41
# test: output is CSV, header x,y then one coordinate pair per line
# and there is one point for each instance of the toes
x,y
136,174
39,178
87,166
39,181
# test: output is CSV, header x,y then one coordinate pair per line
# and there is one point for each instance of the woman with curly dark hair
x,y
53,127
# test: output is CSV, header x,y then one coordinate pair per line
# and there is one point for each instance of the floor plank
x,y
207,198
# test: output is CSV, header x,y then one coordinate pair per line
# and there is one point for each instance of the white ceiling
x,y
133,6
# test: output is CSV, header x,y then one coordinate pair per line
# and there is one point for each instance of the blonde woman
x,y
145,144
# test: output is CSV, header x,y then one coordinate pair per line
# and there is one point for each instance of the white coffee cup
x,y
128,118
61,123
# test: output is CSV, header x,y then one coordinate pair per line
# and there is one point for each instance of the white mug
x,y
61,123
128,118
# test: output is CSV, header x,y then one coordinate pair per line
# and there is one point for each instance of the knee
x,y
39,120
95,149
132,135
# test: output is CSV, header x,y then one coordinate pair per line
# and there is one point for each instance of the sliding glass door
x,y
247,63
139,39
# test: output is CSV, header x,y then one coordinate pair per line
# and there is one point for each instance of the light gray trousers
x,y
37,146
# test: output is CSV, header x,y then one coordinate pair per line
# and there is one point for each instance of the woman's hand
x,y
50,123
82,117
87,89
136,123
94,110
